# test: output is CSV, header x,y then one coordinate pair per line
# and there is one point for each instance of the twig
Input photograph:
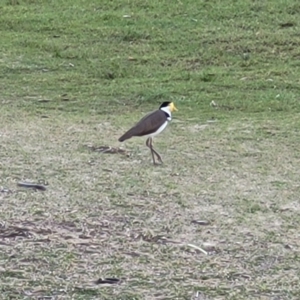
x,y
32,185
197,248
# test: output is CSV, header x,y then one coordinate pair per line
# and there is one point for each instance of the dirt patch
x,y
218,219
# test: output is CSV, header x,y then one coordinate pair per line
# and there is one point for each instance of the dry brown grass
x,y
107,215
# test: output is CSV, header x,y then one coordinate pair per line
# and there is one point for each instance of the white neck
x,y
167,110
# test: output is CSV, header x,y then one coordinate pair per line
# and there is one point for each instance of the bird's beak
x,y
173,107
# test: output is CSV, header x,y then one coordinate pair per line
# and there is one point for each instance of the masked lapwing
x,y
151,125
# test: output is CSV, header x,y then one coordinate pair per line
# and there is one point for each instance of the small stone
x,y
201,222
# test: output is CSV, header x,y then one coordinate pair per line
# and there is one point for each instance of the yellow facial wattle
x,y
173,107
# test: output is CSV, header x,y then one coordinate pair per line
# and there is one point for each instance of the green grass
x,y
192,53
79,73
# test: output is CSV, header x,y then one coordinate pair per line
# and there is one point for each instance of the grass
x,y
79,73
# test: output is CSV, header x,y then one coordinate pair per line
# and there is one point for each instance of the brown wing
x,y
147,125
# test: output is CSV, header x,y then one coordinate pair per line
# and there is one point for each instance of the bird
x,y
151,125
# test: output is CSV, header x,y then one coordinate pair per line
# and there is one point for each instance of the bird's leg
x,y
155,152
148,144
